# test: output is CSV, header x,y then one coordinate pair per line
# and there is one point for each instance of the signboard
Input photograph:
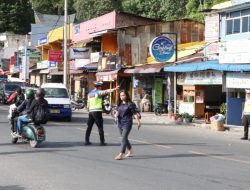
x,y
234,51
55,55
238,80
34,57
94,57
79,53
52,64
161,48
43,64
212,27
187,107
43,40
200,78
81,62
77,29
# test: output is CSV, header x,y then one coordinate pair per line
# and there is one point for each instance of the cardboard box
x,y
217,126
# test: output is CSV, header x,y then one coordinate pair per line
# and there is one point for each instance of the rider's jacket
x,y
24,107
19,99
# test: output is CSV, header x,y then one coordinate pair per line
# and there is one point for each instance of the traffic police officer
x,y
95,111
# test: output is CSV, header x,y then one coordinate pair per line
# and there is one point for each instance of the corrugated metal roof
x,y
207,65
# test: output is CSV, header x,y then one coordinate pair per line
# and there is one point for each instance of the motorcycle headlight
x,y
67,106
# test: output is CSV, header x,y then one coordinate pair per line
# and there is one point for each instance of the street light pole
x,y
65,43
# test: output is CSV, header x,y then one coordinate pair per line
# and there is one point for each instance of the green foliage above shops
x,y
16,16
55,7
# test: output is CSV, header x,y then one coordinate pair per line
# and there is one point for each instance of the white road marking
x,y
220,157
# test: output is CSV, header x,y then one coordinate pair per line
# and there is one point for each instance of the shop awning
x,y
90,66
107,76
207,65
146,68
44,71
55,72
73,71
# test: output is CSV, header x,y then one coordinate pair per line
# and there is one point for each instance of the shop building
x,y
226,59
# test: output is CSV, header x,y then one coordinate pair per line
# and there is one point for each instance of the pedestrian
x,y
246,115
95,111
126,111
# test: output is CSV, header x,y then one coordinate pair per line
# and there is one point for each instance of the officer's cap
x,y
97,83
247,91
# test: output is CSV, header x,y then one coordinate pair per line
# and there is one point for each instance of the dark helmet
x,y
40,93
29,93
97,83
19,90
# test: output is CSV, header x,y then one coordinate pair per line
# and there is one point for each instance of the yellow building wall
x,y
57,34
109,43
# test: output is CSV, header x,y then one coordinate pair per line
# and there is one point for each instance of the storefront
x,y
236,83
202,92
149,80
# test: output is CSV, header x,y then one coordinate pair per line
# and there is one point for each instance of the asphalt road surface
x,y
165,158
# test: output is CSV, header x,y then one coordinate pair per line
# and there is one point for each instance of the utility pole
x,y
65,60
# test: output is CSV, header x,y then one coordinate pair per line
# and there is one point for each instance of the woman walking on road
x,y
125,112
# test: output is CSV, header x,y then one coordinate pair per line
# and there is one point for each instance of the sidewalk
x,y
151,118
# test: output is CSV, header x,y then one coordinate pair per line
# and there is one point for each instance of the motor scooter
x,y
75,105
106,105
31,132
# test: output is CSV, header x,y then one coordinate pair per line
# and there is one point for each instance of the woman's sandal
x,y
129,154
119,157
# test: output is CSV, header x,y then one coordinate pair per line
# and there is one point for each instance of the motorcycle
x,y
31,132
161,109
106,105
75,105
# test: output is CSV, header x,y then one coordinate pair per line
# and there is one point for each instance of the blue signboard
x,y
52,64
42,41
161,48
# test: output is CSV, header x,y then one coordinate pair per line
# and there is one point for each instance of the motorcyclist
x,y
16,99
24,110
19,98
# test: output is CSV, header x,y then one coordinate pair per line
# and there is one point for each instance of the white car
x,y
58,99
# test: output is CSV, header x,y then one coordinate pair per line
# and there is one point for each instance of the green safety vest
x,y
95,101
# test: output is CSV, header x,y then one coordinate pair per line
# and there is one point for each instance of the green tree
x,y
87,9
16,16
55,7
156,9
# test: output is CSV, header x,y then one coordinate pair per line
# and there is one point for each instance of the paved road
x,y
166,158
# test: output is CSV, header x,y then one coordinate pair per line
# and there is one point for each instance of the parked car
x,y
6,89
59,100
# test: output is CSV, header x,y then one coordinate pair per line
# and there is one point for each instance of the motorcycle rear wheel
x,y
14,140
158,111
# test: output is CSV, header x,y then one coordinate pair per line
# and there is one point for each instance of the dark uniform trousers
x,y
95,117
245,123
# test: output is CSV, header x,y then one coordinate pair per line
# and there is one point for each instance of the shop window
x,y
188,95
245,24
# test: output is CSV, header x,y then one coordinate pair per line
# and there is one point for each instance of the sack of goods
x,y
217,125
